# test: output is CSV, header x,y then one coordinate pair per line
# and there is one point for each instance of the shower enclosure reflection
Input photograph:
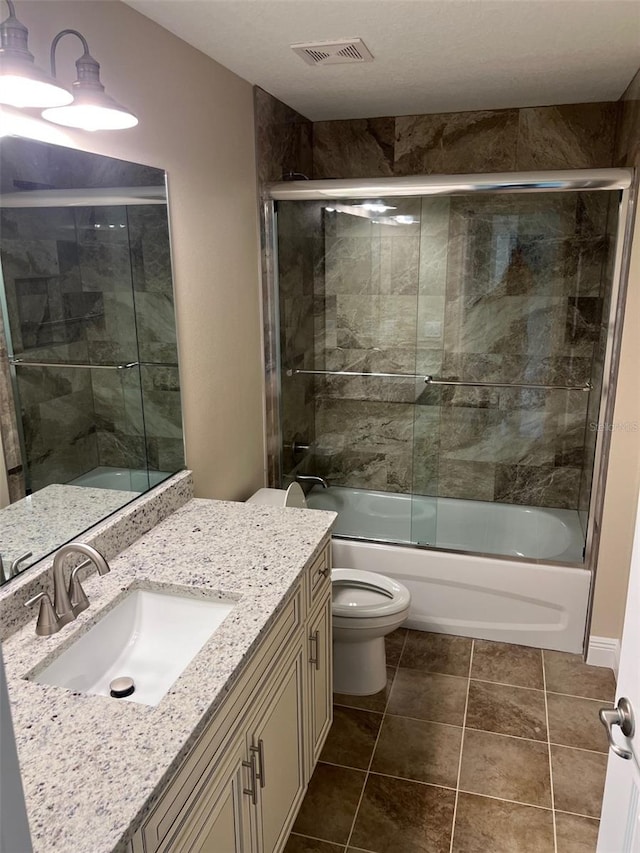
x,y
444,357
89,379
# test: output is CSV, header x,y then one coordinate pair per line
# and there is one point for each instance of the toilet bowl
x,y
366,607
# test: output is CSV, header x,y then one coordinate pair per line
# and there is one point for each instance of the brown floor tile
x,y
428,696
567,673
403,816
575,722
413,749
505,767
484,825
508,664
578,780
393,644
330,804
301,844
375,702
576,834
441,653
352,737
507,710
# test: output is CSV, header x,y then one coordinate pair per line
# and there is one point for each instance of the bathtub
x,y
493,598
124,479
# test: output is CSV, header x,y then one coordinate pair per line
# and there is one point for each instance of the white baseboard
x,y
604,651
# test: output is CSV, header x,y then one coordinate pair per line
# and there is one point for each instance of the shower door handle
x,y
622,715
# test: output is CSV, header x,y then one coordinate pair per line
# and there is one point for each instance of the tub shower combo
x,y
442,351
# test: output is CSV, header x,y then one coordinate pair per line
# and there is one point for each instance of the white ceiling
x,y
430,55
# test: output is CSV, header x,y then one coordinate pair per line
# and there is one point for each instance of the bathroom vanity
x,y
221,763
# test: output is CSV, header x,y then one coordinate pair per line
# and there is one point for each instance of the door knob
x,y
621,715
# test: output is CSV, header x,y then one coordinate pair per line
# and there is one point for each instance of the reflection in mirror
x,y
89,390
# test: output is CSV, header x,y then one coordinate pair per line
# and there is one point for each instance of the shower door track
x,y
581,180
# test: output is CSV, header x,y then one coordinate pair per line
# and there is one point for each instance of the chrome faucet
x,y
14,569
313,478
67,604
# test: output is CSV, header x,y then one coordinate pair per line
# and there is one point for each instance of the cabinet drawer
x,y
319,577
186,784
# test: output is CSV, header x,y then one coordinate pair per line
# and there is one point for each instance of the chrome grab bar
x,y
429,380
356,373
18,362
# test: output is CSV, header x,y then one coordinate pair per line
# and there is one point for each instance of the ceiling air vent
x,y
333,52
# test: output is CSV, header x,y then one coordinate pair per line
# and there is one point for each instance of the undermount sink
x,y
150,637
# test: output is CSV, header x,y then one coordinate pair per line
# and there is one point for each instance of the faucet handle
x,y
48,623
77,595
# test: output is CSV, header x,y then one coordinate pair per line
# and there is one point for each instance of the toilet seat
x,y
366,595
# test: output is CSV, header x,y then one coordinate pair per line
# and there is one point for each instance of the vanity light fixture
x,y
22,83
92,109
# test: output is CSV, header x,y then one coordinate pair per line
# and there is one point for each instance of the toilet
x,y
366,607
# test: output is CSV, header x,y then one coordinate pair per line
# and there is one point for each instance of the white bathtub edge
x,y
501,600
604,651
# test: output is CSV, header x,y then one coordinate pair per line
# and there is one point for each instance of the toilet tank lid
x,y
295,497
291,497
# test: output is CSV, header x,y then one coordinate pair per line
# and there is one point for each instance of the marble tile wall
x,y
428,298
93,284
495,289
10,444
284,146
627,148
452,306
571,136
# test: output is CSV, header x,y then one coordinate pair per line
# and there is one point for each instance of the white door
x,y
620,824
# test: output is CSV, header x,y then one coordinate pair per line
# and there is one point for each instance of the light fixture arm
x,y
87,67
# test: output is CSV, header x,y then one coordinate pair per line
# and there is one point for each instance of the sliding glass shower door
x,y
442,364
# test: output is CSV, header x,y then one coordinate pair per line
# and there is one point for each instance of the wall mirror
x,y
90,413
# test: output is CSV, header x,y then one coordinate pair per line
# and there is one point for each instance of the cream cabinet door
x,y
276,745
320,680
220,819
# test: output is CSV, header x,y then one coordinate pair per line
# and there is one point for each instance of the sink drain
x,y
122,687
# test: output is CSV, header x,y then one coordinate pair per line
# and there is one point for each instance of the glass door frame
x,y
622,179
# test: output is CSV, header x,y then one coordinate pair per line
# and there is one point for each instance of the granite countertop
x,y
92,766
41,522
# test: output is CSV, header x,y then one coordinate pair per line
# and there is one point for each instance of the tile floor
x,y
473,747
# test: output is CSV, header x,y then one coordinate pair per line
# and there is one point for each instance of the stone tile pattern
x,y
93,285
284,147
9,424
481,289
570,136
456,754
627,149
501,289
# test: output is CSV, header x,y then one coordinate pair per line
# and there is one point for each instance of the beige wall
x,y
623,478
196,121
